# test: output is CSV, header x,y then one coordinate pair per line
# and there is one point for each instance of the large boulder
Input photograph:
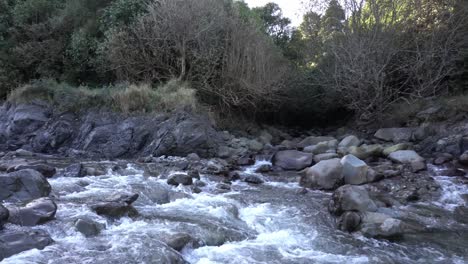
x,y
34,213
88,228
16,241
292,159
349,141
351,198
26,118
46,170
309,141
400,134
179,178
327,174
4,214
405,156
354,170
114,209
23,185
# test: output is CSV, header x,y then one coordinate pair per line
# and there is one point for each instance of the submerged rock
x,y
179,241
16,241
253,179
34,213
327,174
88,228
292,159
23,185
114,209
179,178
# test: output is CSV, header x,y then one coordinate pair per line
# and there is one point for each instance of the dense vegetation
x,y
351,56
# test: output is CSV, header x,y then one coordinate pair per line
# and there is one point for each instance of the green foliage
x,y
274,23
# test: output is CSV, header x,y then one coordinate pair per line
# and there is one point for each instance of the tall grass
x,y
125,98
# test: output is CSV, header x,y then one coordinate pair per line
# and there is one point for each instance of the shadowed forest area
x,y
350,58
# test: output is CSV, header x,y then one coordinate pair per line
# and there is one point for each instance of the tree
x,y
274,23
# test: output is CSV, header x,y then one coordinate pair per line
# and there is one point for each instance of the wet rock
x,y
400,134
199,183
351,198
4,214
88,228
179,241
349,141
265,137
309,141
292,159
354,170
405,156
223,186
253,179
325,156
349,221
196,189
34,213
377,225
443,158
23,185
288,144
16,241
73,171
366,151
322,147
464,158
194,174
460,214
451,172
23,153
127,198
44,169
179,178
326,174
114,209
264,168
402,146
418,166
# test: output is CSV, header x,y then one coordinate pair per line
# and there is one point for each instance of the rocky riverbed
x,y
104,188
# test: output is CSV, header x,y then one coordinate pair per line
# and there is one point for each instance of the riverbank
x,y
106,187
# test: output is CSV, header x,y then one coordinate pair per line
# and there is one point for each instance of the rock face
x,y
400,134
405,156
4,214
354,170
34,213
13,241
292,159
326,174
351,198
104,134
23,185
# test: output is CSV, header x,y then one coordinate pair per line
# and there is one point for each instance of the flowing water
x,y
269,223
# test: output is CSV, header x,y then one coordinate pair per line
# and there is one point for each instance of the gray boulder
x,y
88,228
378,225
400,134
34,213
23,185
322,147
114,209
351,198
327,174
366,151
405,156
46,170
292,159
354,170
26,118
16,241
179,241
349,221
349,141
464,158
